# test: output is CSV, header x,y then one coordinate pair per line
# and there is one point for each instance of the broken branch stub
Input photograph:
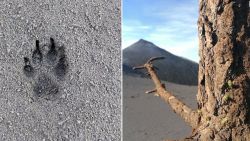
x,y
189,115
139,67
151,91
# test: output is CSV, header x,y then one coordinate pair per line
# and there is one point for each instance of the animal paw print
x,y
47,69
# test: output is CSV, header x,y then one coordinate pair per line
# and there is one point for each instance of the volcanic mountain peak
x,y
173,68
143,43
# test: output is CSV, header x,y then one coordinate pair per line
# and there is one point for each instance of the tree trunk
x,y
223,97
224,87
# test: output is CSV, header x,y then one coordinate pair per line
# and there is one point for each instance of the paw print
x,y
46,69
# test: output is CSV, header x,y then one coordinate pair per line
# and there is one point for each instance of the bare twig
x,y
151,91
139,67
189,115
154,58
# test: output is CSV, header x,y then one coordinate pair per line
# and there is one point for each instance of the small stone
x,y
65,90
66,136
8,50
1,119
19,90
30,100
63,96
78,121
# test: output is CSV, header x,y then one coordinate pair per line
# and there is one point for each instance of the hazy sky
x,y
170,24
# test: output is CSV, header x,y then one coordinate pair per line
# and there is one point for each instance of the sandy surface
x,y
147,117
88,107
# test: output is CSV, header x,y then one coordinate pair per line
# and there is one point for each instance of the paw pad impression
x,y
47,68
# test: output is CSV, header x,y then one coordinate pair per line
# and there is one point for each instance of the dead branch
x,y
154,58
151,91
139,67
189,115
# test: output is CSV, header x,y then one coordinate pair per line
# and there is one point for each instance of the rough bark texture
x,y
223,89
223,97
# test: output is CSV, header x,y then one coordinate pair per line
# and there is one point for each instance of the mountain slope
x,y
172,68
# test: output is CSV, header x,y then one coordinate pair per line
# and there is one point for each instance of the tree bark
x,y
223,89
224,70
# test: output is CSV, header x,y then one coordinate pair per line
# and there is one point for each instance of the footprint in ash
x,y
46,69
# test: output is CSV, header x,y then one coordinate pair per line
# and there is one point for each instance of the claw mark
x,y
61,67
52,54
37,55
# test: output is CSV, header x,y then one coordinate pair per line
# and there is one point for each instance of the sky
x,y
169,24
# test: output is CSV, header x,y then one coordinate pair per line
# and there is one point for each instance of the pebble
x,y
63,96
1,119
78,121
18,90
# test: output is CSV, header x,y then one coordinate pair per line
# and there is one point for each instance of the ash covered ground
x,y
87,105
